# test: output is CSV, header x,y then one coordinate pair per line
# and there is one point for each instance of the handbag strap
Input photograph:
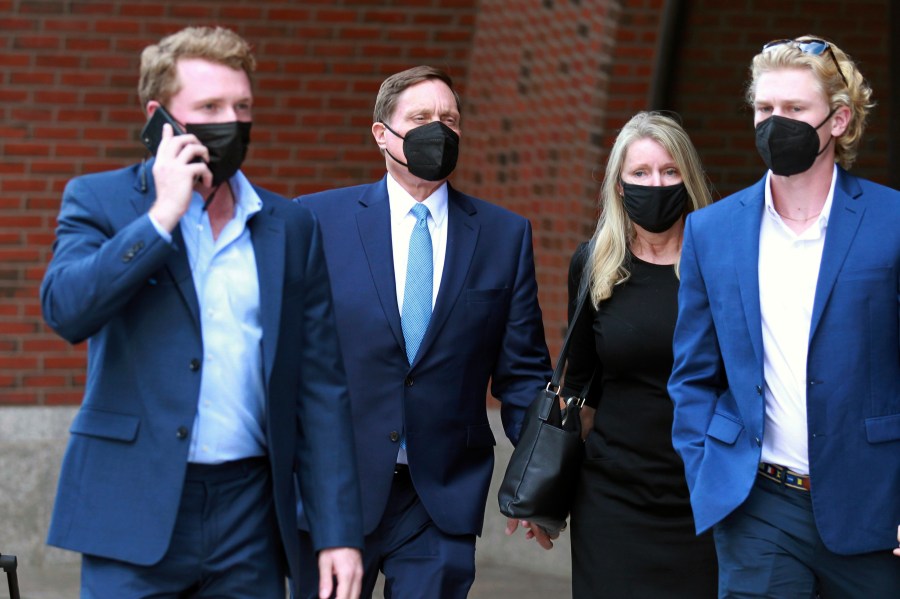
x,y
553,385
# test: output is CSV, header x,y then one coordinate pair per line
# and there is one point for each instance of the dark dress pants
x,y
418,560
226,543
769,547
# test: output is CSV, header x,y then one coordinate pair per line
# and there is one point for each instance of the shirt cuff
x,y
159,229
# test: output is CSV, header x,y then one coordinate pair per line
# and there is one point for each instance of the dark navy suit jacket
x,y
486,327
853,365
115,282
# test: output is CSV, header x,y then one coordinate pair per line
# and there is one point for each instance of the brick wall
x,y
549,84
719,40
545,83
68,106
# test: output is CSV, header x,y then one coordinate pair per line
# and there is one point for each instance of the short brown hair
x,y
393,86
159,79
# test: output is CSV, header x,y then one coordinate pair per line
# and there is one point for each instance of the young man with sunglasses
x,y
786,379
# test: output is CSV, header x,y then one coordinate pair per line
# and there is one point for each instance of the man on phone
x,y
215,385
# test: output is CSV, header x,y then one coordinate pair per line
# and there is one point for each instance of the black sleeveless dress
x,y
632,526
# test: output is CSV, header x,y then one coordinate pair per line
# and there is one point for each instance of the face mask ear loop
x,y
210,197
830,137
386,126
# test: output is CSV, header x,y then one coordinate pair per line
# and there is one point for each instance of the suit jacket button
x,y
194,365
408,381
757,441
181,433
395,436
759,389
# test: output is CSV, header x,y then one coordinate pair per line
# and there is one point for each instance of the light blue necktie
x,y
419,286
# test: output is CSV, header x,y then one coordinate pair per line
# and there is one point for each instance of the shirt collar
x,y
822,221
401,202
246,201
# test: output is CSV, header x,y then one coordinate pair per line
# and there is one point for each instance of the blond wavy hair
x,y
846,87
159,77
607,264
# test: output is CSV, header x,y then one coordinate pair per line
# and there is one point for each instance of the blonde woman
x,y
632,526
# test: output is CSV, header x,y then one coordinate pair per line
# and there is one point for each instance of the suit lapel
x,y
180,271
268,238
462,235
843,223
745,236
178,266
373,222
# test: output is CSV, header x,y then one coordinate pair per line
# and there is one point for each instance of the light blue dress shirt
x,y
231,410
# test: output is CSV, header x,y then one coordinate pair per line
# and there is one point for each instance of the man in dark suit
x,y
786,380
215,383
435,296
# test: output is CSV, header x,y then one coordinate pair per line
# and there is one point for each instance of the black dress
x,y
632,525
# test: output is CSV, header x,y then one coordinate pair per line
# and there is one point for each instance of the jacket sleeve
x,y
698,374
97,265
327,473
523,363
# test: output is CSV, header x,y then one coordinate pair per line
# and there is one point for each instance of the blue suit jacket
x,y
486,326
853,367
115,282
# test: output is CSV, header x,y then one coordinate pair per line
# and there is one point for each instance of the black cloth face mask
x,y
653,208
431,150
789,146
227,144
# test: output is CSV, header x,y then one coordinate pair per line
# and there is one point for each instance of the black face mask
x,y
654,209
227,144
789,146
431,150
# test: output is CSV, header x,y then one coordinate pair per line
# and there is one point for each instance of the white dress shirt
x,y
402,223
788,272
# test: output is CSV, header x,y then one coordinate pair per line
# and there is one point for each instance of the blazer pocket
x,y
106,425
476,296
863,274
724,429
480,435
882,429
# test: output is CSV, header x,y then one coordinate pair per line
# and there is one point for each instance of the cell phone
x,y
151,134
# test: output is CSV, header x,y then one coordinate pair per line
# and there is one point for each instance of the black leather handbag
x,y
539,484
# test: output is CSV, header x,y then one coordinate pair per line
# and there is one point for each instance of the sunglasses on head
x,y
813,46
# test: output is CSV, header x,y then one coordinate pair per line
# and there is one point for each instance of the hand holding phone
x,y
151,134
174,181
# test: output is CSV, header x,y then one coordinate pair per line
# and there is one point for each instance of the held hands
x,y
897,551
175,174
543,538
340,572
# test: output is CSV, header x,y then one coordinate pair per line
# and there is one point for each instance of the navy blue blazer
x,y
115,282
486,327
853,366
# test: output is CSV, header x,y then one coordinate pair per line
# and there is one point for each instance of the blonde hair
x,y
159,77
607,264
846,87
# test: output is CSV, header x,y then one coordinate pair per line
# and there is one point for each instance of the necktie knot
x,y
421,212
